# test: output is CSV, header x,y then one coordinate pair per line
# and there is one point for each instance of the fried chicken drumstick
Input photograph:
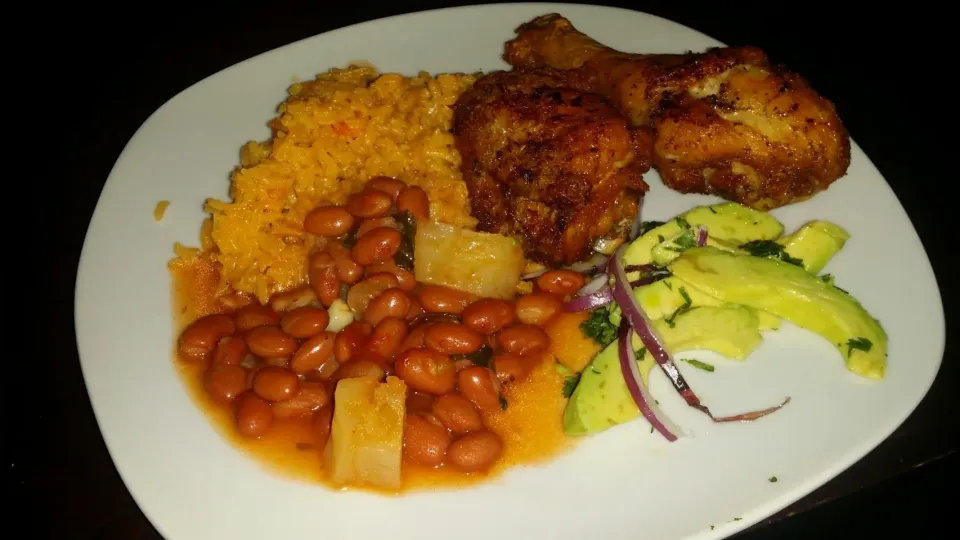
x,y
552,166
727,122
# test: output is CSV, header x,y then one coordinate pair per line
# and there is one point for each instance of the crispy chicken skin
x,y
727,122
552,166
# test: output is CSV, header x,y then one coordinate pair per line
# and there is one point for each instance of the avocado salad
x,y
714,278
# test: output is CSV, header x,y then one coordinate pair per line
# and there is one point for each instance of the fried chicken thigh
x,y
552,166
727,122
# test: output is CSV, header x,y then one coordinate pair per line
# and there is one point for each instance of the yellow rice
x,y
332,134
160,209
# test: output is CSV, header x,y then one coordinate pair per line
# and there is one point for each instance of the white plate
x,y
623,483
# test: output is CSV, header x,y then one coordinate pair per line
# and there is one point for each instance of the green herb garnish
x,y
408,233
685,240
480,357
860,344
699,365
641,353
503,403
682,222
570,384
772,479
599,328
404,256
686,297
651,428
789,259
647,226
712,211
827,278
687,303
771,250
762,248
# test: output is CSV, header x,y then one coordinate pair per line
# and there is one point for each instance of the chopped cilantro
x,y
772,479
685,296
762,248
682,222
599,328
503,403
687,303
770,249
787,258
570,384
660,238
641,353
668,285
699,365
680,310
827,278
712,211
651,428
711,527
480,357
685,240
647,226
860,344
844,291
737,518
595,370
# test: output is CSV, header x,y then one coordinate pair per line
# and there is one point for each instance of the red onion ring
x,y
631,374
594,285
590,301
597,261
635,315
701,236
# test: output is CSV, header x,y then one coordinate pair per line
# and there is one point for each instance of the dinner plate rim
x,y
757,512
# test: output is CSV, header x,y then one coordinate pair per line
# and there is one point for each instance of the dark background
x,y
94,75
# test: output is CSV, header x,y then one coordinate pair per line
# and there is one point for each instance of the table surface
x,y
117,67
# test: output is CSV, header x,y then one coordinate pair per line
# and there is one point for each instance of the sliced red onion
x,y
532,275
752,415
602,267
590,301
701,235
635,315
649,278
594,285
593,262
631,374
597,261
642,268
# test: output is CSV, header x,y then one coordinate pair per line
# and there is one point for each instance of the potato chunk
x,y
366,438
487,265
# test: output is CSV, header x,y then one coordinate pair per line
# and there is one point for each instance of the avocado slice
x,y
815,244
725,221
671,248
790,292
730,330
601,399
662,298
